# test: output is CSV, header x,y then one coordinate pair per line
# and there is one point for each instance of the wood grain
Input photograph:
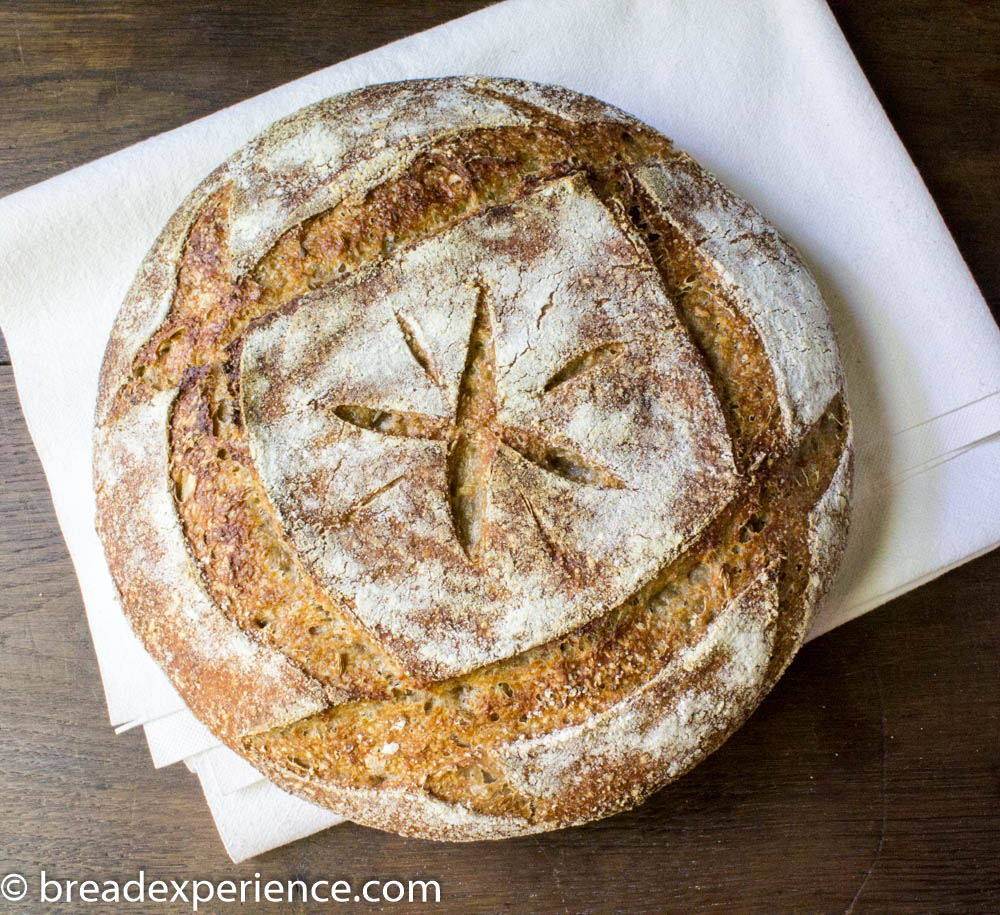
x,y
867,781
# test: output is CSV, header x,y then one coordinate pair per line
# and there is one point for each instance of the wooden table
x,y
867,781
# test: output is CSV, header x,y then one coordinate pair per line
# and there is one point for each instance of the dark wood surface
x,y
868,781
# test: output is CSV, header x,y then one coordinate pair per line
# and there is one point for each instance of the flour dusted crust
x,y
208,656
316,467
767,276
470,459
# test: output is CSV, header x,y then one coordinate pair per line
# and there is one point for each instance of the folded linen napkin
x,y
765,93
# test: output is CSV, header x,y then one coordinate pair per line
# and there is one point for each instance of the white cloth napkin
x,y
765,93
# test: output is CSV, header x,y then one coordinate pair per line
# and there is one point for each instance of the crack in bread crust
x,y
433,758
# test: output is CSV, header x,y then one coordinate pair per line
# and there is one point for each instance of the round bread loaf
x,y
469,458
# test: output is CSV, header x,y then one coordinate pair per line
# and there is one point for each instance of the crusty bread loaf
x,y
469,458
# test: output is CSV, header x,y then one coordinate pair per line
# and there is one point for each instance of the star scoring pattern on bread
x,y
475,433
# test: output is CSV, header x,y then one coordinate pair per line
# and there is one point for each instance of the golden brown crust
x,y
232,412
